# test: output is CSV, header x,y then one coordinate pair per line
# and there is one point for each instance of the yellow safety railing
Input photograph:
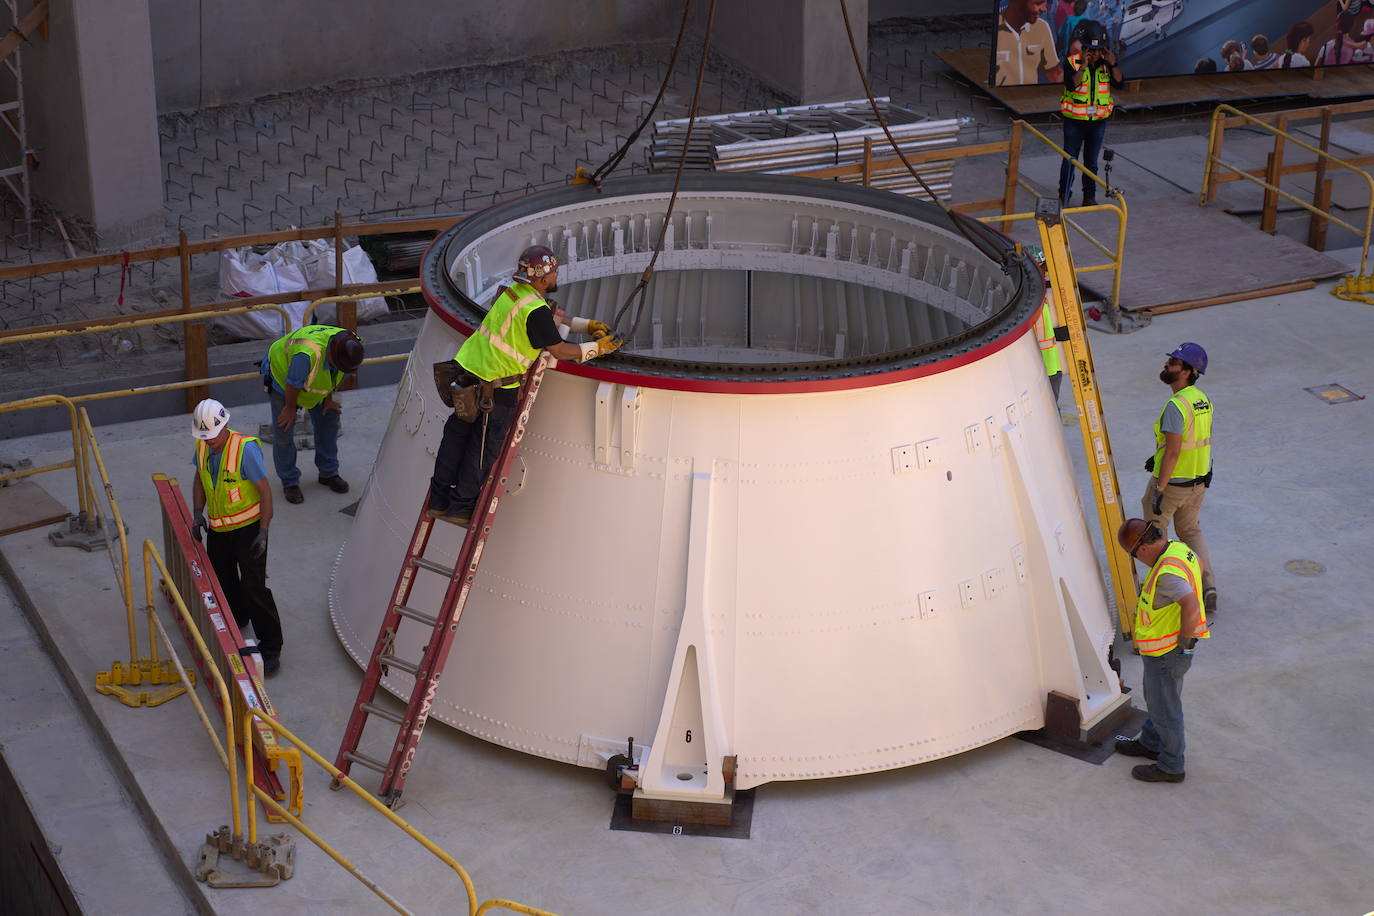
x,y
78,462
1115,256
354,297
365,795
142,323
1273,174
225,748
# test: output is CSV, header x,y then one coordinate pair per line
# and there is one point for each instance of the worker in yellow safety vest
x,y
1047,336
232,505
494,359
302,370
1182,463
1169,621
1090,74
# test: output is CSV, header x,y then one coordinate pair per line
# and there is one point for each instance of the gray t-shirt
x,y
1170,588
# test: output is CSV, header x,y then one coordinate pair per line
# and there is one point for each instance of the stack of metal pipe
x,y
787,141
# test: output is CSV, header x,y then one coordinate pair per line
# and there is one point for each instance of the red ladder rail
x,y
430,668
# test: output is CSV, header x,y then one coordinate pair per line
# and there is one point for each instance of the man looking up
x,y
1182,462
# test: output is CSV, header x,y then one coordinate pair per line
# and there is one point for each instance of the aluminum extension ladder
x,y
444,623
1092,421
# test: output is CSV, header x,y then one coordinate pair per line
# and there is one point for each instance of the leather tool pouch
x,y
464,399
465,403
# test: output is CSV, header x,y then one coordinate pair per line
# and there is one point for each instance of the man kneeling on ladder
x,y
485,384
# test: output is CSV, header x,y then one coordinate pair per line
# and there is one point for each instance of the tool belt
x,y
468,395
1203,481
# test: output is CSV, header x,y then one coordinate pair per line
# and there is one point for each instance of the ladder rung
x,y
392,661
419,616
441,569
373,709
372,763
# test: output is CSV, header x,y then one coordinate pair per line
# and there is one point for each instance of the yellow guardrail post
x,y
78,462
139,672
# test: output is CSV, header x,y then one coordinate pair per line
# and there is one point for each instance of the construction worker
x,y
1045,336
1090,74
1182,462
518,325
231,484
302,370
1169,620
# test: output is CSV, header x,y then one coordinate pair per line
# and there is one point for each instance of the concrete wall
x,y
31,881
798,47
209,53
89,102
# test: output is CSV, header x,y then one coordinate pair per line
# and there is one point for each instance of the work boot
x,y
335,483
1150,772
293,494
1130,747
270,666
460,517
1209,600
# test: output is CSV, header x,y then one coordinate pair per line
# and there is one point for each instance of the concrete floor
x,y
1275,816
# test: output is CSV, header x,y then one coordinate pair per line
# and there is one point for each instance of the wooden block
x,y
682,811
1062,718
26,505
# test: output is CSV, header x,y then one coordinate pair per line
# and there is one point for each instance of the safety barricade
x,y
213,620
258,716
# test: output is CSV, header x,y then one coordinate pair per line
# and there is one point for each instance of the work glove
x,y
1150,464
258,549
590,326
599,347
1157,503
198,525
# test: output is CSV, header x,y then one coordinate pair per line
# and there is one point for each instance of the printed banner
x,y
1177,37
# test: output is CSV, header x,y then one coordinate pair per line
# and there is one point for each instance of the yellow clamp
x,y
120,681
1352,287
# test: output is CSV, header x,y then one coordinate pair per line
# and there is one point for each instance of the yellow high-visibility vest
x,y
1091,101
232,502
1156,630
313,341
1196,458
1044,336
501,346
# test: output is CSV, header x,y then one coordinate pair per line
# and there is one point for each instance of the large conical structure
x,y
819,515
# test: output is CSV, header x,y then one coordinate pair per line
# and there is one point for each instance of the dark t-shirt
x,y
542,331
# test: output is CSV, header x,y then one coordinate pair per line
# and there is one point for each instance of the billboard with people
x,y
1175,37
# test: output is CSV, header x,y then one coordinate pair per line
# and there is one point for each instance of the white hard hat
x,y
209,418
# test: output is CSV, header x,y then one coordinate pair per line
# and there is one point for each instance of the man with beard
x,y
1182,462
518,325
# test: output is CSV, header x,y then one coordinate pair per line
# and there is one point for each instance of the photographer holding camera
x,y
1090,74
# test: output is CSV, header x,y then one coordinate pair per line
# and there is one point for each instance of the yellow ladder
x,y
1092,422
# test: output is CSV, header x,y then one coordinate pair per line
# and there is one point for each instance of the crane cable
x,y
966,225
613,162
643,284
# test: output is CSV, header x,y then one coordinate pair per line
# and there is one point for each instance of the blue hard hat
x,y
1193,355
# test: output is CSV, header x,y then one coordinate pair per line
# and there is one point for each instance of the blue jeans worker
x,y
1090,74
1169,621
302,370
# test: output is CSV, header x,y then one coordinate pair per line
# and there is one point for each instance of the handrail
x,y
353,297
121,569
1213,160
283,732
78,463
228,758
178,318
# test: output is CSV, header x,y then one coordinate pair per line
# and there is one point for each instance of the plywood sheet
x,y
26,505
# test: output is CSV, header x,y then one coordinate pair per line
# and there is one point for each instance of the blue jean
x,y
1163,731
1085,137
284,442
